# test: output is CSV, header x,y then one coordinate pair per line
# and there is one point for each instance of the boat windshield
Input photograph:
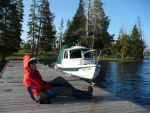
x,y
75,54
79,53
88,54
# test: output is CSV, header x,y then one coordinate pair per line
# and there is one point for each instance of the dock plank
x,y
14,97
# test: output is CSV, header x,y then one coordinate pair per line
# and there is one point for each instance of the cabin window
x,y
88,55
66,54
75,54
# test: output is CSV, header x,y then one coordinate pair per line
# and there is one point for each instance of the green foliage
x,y
129,46
47,59
76,31
42,32
123,42
137,44
11,15
47,29
98,24
110,58
41,28
27,47
103,40
60,39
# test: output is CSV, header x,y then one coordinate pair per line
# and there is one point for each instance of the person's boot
x,y
79,94
90,89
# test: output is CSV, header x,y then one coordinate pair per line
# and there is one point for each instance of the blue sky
x,y
119,11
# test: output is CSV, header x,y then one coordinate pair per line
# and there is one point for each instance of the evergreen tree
x,y
68,24
27,47
116,49
123,43
137,44
33,27
103,40
61,33
41,28
17,19
10,26
139,26
47,38
76,31
20,10
66,33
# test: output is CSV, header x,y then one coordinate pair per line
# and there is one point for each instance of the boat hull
x,y
82,71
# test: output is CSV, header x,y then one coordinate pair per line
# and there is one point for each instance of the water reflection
x,y
128,80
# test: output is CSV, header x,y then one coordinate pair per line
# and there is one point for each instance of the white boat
x,y
79,61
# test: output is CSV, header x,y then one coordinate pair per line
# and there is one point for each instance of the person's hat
x,y
31,59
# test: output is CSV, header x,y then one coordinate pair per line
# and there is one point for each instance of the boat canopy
x,y
60,56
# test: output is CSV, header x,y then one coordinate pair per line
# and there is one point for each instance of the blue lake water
x,y
127,80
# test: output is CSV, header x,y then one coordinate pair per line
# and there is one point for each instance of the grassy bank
x,y
52,57
116,59
46,59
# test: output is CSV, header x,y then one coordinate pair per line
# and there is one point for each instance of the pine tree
x,y
10,27
17,19
33,27
66,33
137,44
123,43
41,28
61,33
103,40
68,24
116,48
47,37
76,31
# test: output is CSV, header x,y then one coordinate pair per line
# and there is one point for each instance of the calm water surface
x,y
127,80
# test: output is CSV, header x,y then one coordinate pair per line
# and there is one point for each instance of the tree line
x,y
88,27
11,18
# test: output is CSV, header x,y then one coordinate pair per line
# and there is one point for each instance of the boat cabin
x,y
78,55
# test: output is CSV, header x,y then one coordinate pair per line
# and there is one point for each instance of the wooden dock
x,y
14,97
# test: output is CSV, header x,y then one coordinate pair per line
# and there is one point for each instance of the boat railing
x,y
95,51
100,52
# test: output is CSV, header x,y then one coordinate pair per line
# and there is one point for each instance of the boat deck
x,y
14,97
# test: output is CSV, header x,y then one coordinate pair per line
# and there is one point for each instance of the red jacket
x,y
33,77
